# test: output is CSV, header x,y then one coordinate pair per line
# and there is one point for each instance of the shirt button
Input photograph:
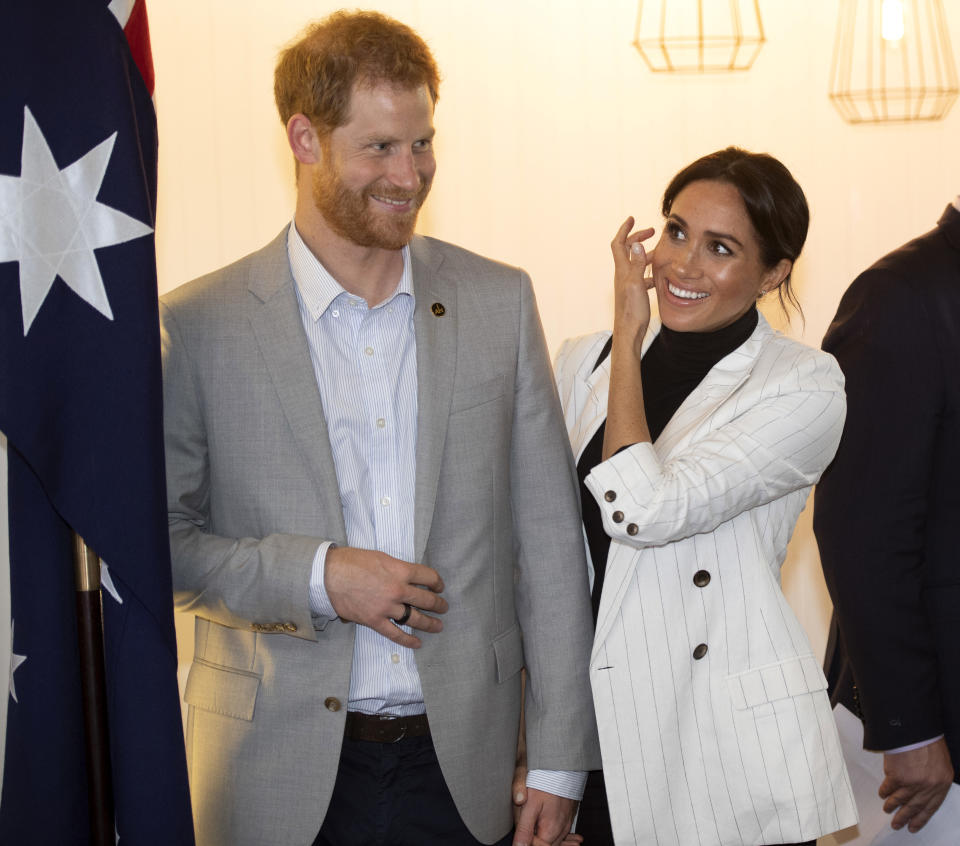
x,y
632,528
617,516
700,651
369,350
395,658
381,422
335,312
701,578
610,496
384,501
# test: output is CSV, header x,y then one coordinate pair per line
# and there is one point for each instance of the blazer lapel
x,y
276,323
591,394
436,334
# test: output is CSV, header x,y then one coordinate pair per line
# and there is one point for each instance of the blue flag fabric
x,y
80,404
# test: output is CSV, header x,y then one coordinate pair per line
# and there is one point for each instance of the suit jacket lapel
x,y
436,336
276,323
591,395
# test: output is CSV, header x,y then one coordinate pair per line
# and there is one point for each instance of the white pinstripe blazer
x,y
738,746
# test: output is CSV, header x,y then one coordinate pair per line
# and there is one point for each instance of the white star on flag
x,y
51,222
106,582
15,662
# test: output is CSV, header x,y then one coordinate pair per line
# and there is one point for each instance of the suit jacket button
x,y
701,578
617,516
331,703
289,627
632,528
610,496
700,651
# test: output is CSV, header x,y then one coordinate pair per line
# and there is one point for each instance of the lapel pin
x,y
438,310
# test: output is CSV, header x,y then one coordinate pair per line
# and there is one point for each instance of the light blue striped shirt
x,y
364,360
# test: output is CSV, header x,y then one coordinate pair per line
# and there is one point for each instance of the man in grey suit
x,y
362,438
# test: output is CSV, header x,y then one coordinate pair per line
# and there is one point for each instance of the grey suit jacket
x,y
253,491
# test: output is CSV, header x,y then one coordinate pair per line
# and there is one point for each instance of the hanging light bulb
x,y
891,16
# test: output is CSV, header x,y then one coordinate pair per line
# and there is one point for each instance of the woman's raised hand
x,y
630,284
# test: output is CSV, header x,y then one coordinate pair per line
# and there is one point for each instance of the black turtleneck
x,y
673,365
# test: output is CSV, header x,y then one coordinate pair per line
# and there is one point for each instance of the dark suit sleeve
x,y
871,506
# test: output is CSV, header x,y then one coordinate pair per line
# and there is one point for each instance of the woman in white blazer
x,y
698,439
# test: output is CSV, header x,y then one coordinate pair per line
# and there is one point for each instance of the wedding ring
x,y
405,616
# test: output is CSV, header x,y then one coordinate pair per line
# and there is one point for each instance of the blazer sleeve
x,y
251,583
871,506
779,443
552,594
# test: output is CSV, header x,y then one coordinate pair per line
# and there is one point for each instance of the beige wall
x,y
550,131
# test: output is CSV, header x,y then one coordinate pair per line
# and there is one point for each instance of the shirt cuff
x,y
910,747
563,783
321,608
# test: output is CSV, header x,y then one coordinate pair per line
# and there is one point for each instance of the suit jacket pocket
x,y
479,393
771,682
508,651
221,690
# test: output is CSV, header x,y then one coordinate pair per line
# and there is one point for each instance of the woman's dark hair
x,y
774,202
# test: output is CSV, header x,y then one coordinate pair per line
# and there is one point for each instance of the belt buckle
x,y
387,723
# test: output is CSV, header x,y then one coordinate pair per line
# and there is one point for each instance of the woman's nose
x,y
686,262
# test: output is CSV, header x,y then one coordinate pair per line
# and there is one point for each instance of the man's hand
x,y
372,587
545,819
916,783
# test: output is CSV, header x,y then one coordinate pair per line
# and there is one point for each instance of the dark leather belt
x,y
384,729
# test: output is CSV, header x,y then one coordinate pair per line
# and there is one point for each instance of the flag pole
x,y
93,683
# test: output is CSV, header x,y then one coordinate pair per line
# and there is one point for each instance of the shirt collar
x,y
318,289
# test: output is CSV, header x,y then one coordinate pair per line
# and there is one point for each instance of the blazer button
x,y
331,703
700,651
701,578
289,627
617,516
610,496
632,528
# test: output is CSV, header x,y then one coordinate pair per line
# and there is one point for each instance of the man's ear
x,y
303,139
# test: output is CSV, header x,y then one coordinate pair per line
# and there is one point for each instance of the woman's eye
x,y
675,232
721,249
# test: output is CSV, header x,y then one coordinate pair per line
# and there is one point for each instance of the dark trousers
x,y
393,794
593,822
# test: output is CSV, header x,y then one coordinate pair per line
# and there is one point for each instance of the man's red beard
x,y
349,214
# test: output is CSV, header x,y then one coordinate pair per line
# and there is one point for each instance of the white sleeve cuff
x,y
320,606
911,746
563,783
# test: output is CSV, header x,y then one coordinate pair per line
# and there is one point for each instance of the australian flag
x,y
80,409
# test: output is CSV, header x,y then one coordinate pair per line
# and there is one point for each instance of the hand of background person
x,y
630,284
370,587
916,784
543,819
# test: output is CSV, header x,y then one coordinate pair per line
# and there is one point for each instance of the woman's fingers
x,y
629,253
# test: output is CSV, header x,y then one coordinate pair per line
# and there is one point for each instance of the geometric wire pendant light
x,y
892,61
698,35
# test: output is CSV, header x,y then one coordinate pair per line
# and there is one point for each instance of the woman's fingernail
x,y
518,797
636,248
